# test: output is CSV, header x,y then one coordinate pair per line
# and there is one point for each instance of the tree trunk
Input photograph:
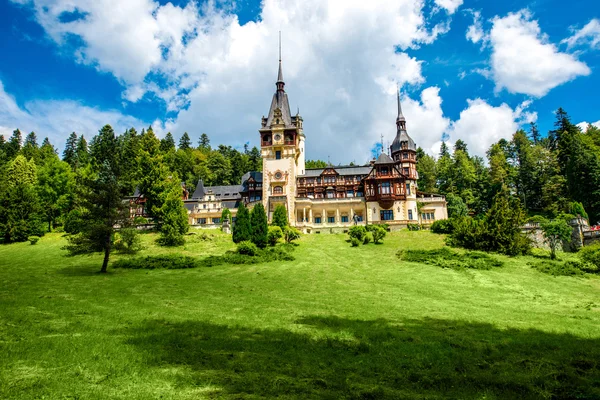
x,y
107,248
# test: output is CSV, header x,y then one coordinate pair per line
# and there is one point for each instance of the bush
x,y
247,248
378,234
280,218
355,242
372,227
277,253
368,238
171,261
448,258
128,241
443,226
290,234
456,206
258,226
33,239
413,227
557,268
556,232
591,254
537,219
73,222
357,232
170,236
139,220
578,210
275,233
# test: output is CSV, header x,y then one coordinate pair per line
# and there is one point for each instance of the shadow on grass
x,y
334,358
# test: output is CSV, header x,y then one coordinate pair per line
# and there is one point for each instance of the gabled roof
x,y
199,192
384,159
226,192
280,101
341,170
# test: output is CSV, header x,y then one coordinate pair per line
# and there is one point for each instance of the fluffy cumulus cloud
x,y
523,60
584,125
49,118
449,5
589,35
475,32
340,57
481,124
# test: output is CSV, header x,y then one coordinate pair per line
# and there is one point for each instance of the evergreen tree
x,y
13,147
315,164
83,153
70,153
173,215
259,226
241,228
167,144
460,145
204,142
534,133
31,148
148,142
426,168
101,195
47,151
20,211
185,143
280,218
255,160
56,185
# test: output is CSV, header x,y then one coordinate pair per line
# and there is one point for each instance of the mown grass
x,y
337,322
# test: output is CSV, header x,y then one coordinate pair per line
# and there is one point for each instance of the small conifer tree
x,y
280,217
241,228
259,226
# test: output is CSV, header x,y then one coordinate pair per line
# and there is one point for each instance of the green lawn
x,y
339,322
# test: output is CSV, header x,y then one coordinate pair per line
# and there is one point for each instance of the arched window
x,y
278,190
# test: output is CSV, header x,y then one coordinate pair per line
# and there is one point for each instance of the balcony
x,y
432,199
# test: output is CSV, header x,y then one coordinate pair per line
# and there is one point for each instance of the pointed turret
x,y
400,120
280,106
402,141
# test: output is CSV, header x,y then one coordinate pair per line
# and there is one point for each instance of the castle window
x,y
350,193
344,218
330,194
384,188
266,139
216,220
278,190
408,189
278,155
201,221
317,220
405,156
410,215
386,215
384,170
331,220
406,171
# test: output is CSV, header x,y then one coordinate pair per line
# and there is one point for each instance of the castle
x,y
328,199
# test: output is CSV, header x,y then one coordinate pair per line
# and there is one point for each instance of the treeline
x,y
545,176
40,192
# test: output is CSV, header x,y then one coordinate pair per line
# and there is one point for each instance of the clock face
x,y
278,175
278,137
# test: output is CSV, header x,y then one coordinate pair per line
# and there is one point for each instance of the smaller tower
x,y
403,148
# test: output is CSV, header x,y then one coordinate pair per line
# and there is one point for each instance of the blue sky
x,y
211,67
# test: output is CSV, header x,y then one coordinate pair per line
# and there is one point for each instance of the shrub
x,y
448,258
170,236
357,232
355,242
170,261
128,241
225,215
456,206
372,227
73,221
443,226
378,234
591,254
557,268
139,220
537,219
577,209
33,239
368,238
247,248
275,233
413,227
290,234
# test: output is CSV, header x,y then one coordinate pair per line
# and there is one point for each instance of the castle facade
x,y
328,199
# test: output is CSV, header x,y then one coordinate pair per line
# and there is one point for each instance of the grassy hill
x,y
338,322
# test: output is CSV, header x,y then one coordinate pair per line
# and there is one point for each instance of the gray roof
x,y
343,170
280,74
227,192
402,136
256,175
199,192
280,101
231,204
384,159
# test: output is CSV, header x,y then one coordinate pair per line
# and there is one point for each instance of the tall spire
x,y
400,120
280,84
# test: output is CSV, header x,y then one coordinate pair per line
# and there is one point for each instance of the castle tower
x,y
282,150
404,154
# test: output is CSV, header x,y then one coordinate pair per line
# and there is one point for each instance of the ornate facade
x,y
328,199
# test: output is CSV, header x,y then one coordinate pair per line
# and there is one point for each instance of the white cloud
x,y
584,125
480,124
588,35
219,75
449,5
523,61
56,119
475,32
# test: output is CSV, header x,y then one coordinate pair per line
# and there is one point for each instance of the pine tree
x,y
83,153
13,146
56,185
31,148
185,143
173,216
149,142
167,143
259,226
204,142
280,218
70,153
534,133
255,160
242,228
